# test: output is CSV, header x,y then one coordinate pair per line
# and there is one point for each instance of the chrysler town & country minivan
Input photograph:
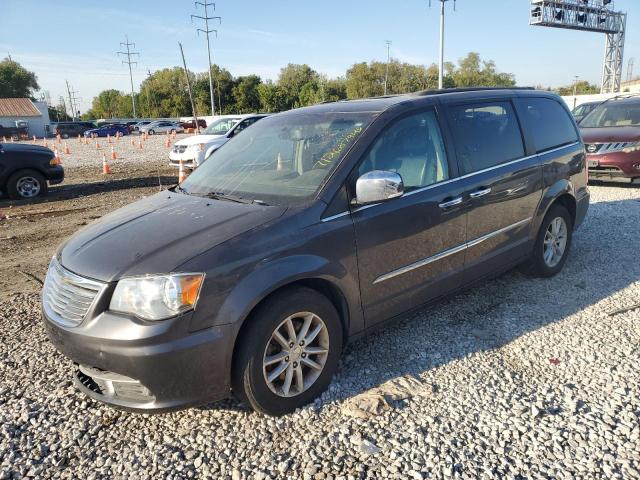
x,y
308,230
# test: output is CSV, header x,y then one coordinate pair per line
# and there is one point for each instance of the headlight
x,y
157,297
632,147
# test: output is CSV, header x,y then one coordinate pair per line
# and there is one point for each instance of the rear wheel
x,y
289,352
173,130
26,184
151,132
552,243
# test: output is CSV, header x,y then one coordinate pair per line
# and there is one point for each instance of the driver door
x,y
411,248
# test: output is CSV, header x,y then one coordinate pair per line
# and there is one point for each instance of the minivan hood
x,y
197,139
158,234
610,134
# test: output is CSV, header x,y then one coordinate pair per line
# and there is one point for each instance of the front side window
x,y
613,114
548,122
485,135
282,159
220,127
411,147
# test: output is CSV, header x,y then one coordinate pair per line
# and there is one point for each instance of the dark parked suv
x,y
309,229
72,129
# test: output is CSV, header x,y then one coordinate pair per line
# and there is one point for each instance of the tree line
x,y
165,94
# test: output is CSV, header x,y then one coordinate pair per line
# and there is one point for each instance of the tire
x,y
538,264
258,345
26,184
173,130
151,132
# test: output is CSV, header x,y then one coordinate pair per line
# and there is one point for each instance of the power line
x,y
207,31
128,61
73,101
386,71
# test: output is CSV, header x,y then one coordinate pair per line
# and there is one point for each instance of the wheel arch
x,y
562,192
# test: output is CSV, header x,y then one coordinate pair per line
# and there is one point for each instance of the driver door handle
x,y
480,192
450,203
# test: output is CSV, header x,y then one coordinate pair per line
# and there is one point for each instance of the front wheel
x,y
289,351
552,243
173,131
26,184
151,132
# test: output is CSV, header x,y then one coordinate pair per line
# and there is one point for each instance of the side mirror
x,y
231,134
378,186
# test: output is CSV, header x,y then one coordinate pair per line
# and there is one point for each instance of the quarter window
x,y
485,135
548,122
413,148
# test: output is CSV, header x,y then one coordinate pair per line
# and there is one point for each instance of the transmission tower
x,y
207,31
590,16
128,61
73,101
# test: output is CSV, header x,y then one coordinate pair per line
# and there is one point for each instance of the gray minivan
x,y
309,229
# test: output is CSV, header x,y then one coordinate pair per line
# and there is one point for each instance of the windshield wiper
x,y
178,188
227,197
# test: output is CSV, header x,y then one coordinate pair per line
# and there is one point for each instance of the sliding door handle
x,y
450,203
480,193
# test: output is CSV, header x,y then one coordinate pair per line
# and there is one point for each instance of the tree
x,y
581,88
272,97
299,83
107,104
165,94
16,81
245,94
472,71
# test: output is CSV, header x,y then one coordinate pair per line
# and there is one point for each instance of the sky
x,y
77,41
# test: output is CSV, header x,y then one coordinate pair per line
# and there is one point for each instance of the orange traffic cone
x,y
140,145
182,175
2,215
80,138
34,140
45,143
113,153
167,142
133,142
66,149
105,166
59,139
97,145
56,157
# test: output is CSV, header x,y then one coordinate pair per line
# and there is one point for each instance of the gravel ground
x,y
517,378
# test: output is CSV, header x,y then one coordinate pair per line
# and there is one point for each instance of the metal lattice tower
x,y
590,16
128,62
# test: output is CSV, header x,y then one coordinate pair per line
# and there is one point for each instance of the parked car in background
x,y
137,126
110,129
192,124
161,126
72,129
611,133
583,109
14,129
26,169
312,227
131,124
194,150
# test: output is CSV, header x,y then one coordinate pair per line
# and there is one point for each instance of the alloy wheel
x,y
555,242
296,354
28,187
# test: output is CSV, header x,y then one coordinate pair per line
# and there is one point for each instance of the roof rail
x,y
423,93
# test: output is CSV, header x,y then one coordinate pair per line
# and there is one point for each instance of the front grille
x,y
602,148
67,297
113,385
179,148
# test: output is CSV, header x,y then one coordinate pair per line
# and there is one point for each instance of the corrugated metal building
x,y
35,114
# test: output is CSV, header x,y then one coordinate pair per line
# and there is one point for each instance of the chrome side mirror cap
x,y
378,186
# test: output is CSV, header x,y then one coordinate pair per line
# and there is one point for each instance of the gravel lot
x,y
518,378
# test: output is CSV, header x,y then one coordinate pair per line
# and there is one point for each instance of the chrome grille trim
x,y
602,148
179,148
67,297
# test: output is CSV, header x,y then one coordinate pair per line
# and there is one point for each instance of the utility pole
x,y
630,69
441,55
386,71
73,101
186,74
207,31
128,61
575,90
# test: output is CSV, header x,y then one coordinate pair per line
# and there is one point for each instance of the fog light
x,y
637,166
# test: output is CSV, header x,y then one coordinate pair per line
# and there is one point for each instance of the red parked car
x,y
192,124
611,133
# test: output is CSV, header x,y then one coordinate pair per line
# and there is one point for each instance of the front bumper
x,y
55,174
189,159
612,166
146,366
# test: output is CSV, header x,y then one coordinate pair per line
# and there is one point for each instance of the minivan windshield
x,y
220,127
613,114
282,159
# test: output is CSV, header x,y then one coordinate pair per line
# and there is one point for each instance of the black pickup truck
x,y
26,169
15,130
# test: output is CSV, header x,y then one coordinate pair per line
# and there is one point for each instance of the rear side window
x,y
485,134
548,122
